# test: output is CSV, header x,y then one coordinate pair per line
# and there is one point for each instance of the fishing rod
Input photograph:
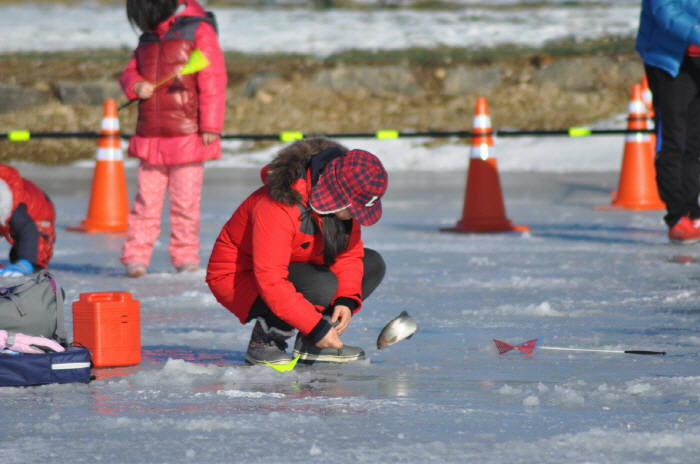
x,y
528,347
25,135
661,353
195,63
386,134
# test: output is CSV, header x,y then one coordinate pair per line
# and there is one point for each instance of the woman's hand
x,y
143,89
341,318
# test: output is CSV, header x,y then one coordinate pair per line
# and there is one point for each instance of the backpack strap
x,y
60,333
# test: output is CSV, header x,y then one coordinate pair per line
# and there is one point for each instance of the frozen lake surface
x,y
580,278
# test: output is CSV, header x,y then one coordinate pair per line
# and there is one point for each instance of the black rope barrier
x,y
387,134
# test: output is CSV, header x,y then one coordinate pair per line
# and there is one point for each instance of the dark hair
x,y
147,14
336,236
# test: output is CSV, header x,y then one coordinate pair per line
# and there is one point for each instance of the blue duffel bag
x,y
24,369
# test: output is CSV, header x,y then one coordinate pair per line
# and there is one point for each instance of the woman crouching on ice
x,y
291,256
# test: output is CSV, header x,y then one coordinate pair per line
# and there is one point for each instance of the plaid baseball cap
x,y
357,180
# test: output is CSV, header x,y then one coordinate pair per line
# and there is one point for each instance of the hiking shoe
x,y
684,231
310,353
265,347
134,270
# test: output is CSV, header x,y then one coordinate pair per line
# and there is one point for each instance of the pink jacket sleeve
x,y
211,81
129,77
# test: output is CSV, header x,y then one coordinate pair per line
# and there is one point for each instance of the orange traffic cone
x,y
637,185
483,202
109,201
649,106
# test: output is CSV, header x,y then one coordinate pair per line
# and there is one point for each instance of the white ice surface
x,y
53,27
580,278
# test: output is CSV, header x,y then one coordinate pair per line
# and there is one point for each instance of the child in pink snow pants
x,y
179,121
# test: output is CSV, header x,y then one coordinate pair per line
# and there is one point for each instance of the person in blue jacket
x,y
668,41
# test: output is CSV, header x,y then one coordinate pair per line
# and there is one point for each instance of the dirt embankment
x,y
417,90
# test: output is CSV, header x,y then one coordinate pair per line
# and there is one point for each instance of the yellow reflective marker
x,y
579,131
284,367
387,134
196,63
18,136
290,136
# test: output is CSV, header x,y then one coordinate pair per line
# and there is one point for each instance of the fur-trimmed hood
x,y
290,165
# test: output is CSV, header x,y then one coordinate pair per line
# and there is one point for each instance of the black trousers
x,y
318,285
677,108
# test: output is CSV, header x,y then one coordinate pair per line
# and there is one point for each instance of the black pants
x,y
318,285
677,108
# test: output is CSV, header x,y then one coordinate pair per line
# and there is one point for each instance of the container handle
x,y
98,297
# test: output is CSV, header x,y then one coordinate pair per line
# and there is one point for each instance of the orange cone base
x,y
109,203
485,227
637,185
90,228
633,207
484,210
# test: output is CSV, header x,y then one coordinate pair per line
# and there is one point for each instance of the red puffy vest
x,y
174,108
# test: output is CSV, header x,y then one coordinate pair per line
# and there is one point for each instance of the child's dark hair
x,y
147,14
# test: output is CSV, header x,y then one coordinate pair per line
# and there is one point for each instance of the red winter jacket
x,y
28,221
252,254
170,123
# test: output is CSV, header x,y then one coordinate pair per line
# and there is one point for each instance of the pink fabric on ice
x,y
184,184
28,343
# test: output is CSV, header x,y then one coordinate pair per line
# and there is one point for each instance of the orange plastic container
x,y
108,324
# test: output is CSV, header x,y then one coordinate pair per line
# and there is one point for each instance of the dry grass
x,y
291,102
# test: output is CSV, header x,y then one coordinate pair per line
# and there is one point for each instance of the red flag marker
x,y
526,347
